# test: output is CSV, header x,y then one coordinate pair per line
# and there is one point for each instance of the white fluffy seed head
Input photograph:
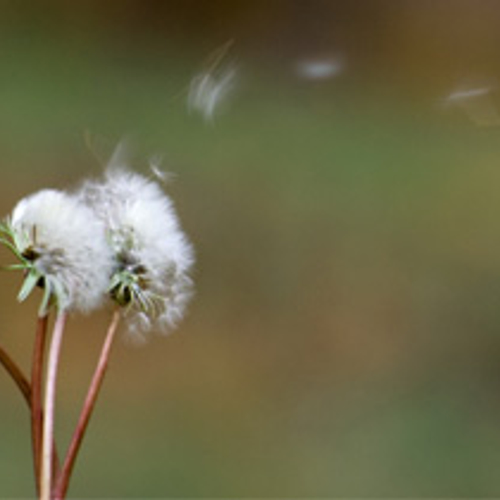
x,y
150,249
67,246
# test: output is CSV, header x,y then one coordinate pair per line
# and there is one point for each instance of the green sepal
x,y
125,289
59,293
45,304
28,286
53,291
12,248
14,267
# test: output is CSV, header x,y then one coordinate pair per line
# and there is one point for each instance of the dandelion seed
x,y
61,246
152,255
461,95
477,104
156,170
208,91
211,88
319,68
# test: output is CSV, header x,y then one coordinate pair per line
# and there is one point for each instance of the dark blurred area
x,y
341,191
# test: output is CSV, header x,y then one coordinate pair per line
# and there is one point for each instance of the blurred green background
x,y
344,340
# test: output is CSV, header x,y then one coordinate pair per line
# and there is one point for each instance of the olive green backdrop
x,y
344,340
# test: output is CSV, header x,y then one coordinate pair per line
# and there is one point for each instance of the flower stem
x,y
88,406
36,394
47,455
32,393
17,375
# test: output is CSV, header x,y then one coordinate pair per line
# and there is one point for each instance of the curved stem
x,y
88,406
17,375
50,397
32,393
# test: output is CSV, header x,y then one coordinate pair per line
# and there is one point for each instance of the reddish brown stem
x,y
32,392
90,400
17,375
36,394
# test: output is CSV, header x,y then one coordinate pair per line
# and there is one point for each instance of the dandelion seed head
x,y
65,244
152,254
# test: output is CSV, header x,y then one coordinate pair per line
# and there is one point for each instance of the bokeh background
x,y
344,340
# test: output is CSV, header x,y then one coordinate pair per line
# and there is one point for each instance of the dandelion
x,y
152,255
119,238
61,247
